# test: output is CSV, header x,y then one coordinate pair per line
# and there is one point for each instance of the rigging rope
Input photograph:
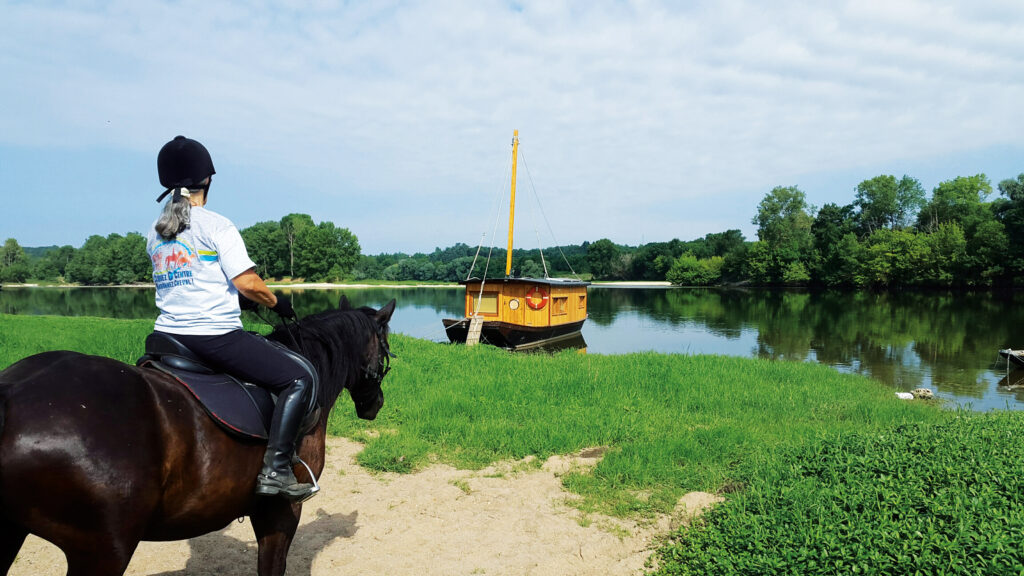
x,y
477,255
545,216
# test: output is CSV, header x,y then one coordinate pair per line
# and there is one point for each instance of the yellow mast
x,y
512,204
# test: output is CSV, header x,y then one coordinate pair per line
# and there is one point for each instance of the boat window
x,y
558,305
488,303
583,302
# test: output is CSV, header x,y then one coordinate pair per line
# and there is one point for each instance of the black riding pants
x,y
247,356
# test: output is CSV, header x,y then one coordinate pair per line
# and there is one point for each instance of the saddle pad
x,y
244,410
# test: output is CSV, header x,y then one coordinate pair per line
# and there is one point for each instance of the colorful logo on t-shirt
x,y
172,264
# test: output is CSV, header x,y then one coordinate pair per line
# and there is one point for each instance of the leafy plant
x,y
936,498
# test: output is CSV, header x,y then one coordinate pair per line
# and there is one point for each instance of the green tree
x,y
603,258
894,258
948,255
722,243
885,202
795,274
14,266
292,227
651,261
760,265
128,260
89,265
985,256
326,252
960,200
734,264
833,264
531,269
1010,211
265,242
688,270
115,259
784,226
53,264
368,268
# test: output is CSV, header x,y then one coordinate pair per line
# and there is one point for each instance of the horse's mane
x,y
334,341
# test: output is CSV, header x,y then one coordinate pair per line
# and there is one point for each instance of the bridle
x,y
384,356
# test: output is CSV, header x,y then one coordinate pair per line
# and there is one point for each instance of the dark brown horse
x,y
97,455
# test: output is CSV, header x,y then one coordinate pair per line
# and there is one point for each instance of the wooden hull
x,y
1014,357
514,336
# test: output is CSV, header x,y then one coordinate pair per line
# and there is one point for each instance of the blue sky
x,y
639,121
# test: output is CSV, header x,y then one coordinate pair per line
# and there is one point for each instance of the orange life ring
x,y
536,298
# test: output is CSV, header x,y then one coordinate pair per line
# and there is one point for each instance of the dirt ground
x,y
440,521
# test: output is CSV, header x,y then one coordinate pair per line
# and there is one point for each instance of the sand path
x,y
439,521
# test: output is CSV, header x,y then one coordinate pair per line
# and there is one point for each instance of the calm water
x,y
946,342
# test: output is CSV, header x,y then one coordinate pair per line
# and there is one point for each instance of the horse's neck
x,y
330,391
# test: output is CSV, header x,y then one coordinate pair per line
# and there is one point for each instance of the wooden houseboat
x,y
519,313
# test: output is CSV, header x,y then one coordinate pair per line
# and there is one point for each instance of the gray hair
x,y
175,217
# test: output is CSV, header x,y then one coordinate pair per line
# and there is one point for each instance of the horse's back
x,y
112,440
70,389
79,434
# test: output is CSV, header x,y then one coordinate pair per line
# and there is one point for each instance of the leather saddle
x,y
242,409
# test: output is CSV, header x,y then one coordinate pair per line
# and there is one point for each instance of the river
x,y
944,341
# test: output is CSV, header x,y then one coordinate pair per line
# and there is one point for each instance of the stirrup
x,y
316,485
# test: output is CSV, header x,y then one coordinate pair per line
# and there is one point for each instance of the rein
x,y
384,353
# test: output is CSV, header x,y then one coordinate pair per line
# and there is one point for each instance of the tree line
x,y
891,235
293,247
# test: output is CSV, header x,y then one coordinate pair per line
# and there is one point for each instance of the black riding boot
x,y
277,477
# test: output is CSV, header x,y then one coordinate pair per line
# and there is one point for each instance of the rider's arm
x,y
252,287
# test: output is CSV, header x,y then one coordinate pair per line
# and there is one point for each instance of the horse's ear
x,y
343,303
384,314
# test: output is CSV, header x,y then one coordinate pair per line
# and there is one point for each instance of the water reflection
x,y
102,302
947,342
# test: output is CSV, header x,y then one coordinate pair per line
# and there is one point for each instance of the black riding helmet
x,y
183,163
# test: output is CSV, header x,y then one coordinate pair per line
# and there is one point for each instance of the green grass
x,y
825,473
22,336
942,498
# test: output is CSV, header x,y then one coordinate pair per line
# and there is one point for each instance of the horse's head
x,y
366,389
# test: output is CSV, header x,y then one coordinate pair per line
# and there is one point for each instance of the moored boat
x,y
519,313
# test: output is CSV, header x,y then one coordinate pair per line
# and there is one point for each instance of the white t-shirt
x,y
193,275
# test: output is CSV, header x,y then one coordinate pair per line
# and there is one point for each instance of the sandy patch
x,y
508,520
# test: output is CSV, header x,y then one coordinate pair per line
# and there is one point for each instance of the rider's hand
x,y
246,304
284,308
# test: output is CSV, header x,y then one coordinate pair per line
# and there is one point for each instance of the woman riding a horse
x,y
97,455
200,267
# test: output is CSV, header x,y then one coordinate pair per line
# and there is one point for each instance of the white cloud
x,y
623,107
